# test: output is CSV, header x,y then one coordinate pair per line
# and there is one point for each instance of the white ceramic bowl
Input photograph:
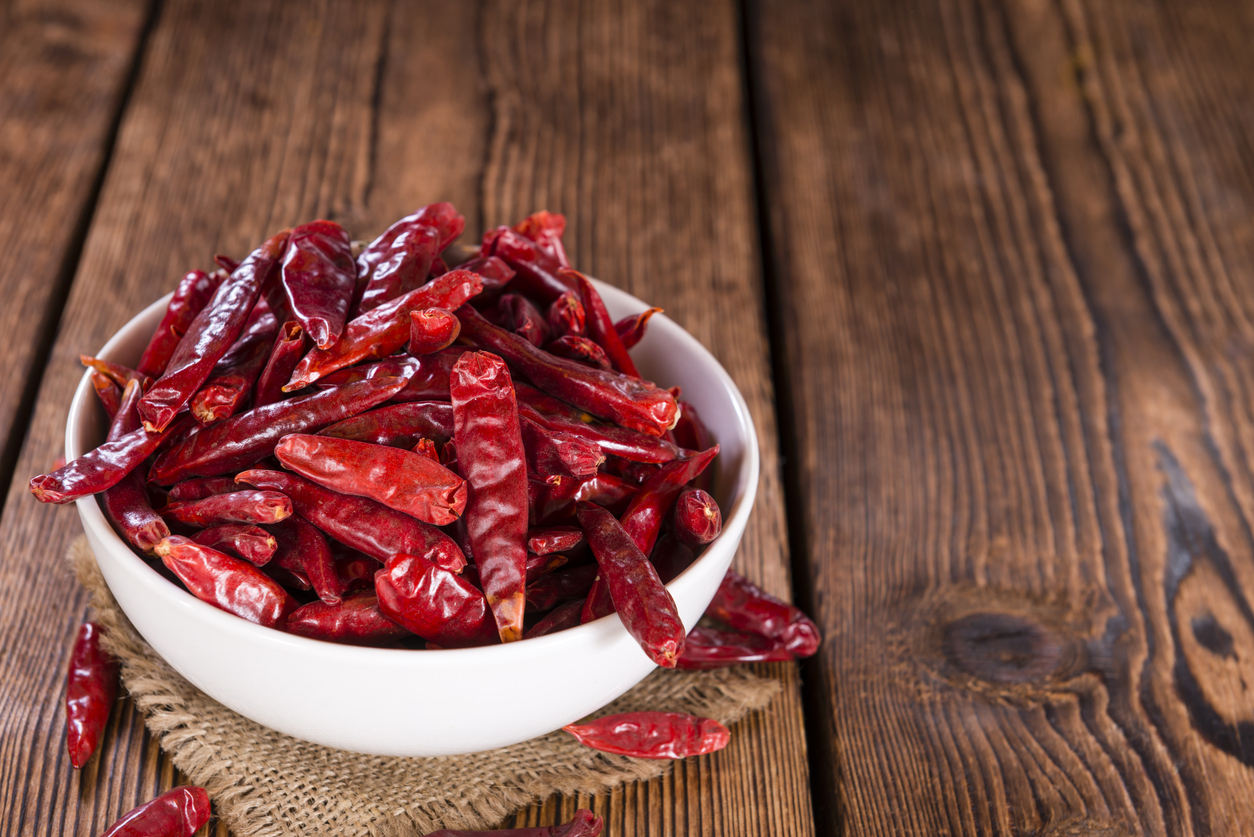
x,y
423,703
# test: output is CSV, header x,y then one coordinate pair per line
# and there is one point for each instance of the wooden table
x,y
984,272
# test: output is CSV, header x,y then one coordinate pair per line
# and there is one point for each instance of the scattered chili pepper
x,y
179,812
284,355
252,543
232,379
395,477
550,590
559,619
190,297
631,328
584,824
90,688
642,602
236,507
357,620
546,541
566,316
210,335
303,550
126,503
198,488
600,328
431,330
520,316
399,260
434,603
697,519
644,517
743,605
652,735
707,648
319,277
397,425
226,583
491,457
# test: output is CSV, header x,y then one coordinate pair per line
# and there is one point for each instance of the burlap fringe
x,y
265,784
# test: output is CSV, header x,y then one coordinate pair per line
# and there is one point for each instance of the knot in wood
x,y
1004,648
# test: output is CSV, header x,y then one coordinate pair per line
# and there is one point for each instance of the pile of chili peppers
x,y
379,446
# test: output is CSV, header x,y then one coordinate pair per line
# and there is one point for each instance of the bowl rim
x,y
153,582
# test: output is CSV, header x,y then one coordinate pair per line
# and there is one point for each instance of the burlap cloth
x,y
266,784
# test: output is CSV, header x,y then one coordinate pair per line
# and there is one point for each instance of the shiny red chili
x,y
179,812
90,688
652,735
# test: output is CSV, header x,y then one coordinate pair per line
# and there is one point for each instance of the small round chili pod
x,y
652,735
697,519
431,330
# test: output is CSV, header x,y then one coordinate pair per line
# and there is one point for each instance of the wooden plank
x,y
64,66
1017,307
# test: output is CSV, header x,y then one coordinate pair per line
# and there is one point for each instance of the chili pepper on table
x,y
232,378
641,600
359,522
210,334
520,316
226,583
652,735
91,686
357,620
434,603
697,519
491,457
192,294
707,648
319,277
284,355
566,316
399,479
600,328
644,517
179,812
579,349
126,503
631,329
558,619
383,330
247,438
244,540
303,550
631,402
400,259
741,604
431,330
397,425
584,824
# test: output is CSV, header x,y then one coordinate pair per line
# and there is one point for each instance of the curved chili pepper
x,y
600,328
319,278
652,735
645,606
190,297
116,372
541,565
697,519
636,473
559,619
496,274
566,316
179,812
610,439
126,504
110,393
434,603
427,375
520,316
743,605
236,507
90,688
398,425
554,452
708,648
585,824
546,541
359,522
631,328
198,488
399,260
381,331
579,349
303,550
284,355
546,230
226,583
397,478
491,457
357,620
247,438
252,543
598,602
534,269
210,335
431,330
233,377
644,517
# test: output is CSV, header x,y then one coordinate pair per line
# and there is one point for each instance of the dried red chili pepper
x,y
360,522
252,543
652,735
431,330
631,402
559,619
534,269
179,812
491,457
190,297
357,620
304,551
642,602
426,447
434,603
600,328
598,602
199,488
546,230
90,688
356,570
427,375
395,477
381,331
232,379
579,349
126,504
226,583
743,605
708,648
610,439
552,452
247,438
546,541
210,335
697,519
284,355
399,260
236,507
566,316
319,277
496,274
116,372
541,565
551,589
585,824
631,328
398,425
520,316
670,558
109,393
636,473
644,517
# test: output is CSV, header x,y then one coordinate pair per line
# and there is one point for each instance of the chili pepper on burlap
x,y
398,425
400,259
520,316
232,379
491,457
109,393
708,648
696,519
741,604
359,522
631,328
431,330
644,517
550,590
91,686
179,812
434,603
631,402
190,297
600,328
211,334
226,583
244,540
579,349
247,438
198,488
319,277
566,316
397,478
547,540
652,735
585,824
357,620
126,503
383,330
116,372
302,549
235,507
643,603
284,355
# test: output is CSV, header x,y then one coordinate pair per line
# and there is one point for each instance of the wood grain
x,y
1016,300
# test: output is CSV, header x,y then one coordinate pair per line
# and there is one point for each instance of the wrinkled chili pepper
x,y
631,328
434,603
579,349
247,438
691,433
491,457
696,519
671,557
357,620
708,648
637,473
399,260
566,316
554,452
744,606
209,336
319,277
642,602
558,619
534,271
553,499
284,355
252,543
359,522
232,379
431,330
584,824
598,602
398,425
631,402
381,331
179,812
552,589
397,478
303,550
600,328
91,685
226,583
652,735
109,393
426,447
644,517
190,297
427,375
198,488
610,439
520,316
116,372
546,230
126,504
496,275
546,541
357,571
541,565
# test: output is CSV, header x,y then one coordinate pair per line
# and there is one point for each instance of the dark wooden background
x,y
984,272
